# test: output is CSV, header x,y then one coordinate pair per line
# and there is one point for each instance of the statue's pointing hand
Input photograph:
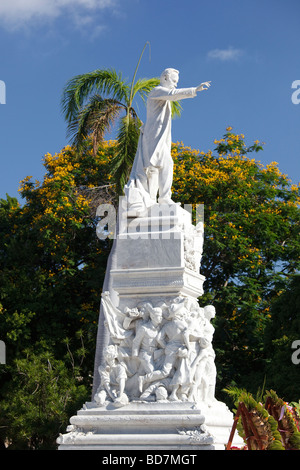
x,y
203,86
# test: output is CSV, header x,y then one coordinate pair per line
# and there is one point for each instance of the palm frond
x,y
77,90
126,149
176,109
94,119
131,93
92,102
143,86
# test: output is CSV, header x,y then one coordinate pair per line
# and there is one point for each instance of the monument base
x,y
154,381
149,426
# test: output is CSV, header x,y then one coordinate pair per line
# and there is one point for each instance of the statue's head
x,y
164,308
110,353
144,308
178,307
169,78
156,315
209,311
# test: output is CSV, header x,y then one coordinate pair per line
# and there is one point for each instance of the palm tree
x,y
92,103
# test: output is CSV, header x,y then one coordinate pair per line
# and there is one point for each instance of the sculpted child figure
x,y
113,379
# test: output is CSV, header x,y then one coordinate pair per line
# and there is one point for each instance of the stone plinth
x,y
158,255
156,377
149,426
137,426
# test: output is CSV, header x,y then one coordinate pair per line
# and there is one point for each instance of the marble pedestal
x,y
157,262
158,256
148,426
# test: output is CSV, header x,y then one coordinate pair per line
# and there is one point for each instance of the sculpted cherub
x,y
112,379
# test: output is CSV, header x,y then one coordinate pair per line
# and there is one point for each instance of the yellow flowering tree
x,y
52,267
251,248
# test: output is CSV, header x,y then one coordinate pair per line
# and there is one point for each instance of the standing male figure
x,y
152,170
145,344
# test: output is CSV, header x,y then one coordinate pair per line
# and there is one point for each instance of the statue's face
x,y
110,359
210,311
156,317
172,79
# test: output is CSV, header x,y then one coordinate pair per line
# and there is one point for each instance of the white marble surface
x,y
155,374
152,170
156,381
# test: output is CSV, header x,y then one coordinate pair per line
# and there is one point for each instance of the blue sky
x,y
249,49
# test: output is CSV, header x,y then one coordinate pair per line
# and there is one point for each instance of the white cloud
x,y
17,13
225,54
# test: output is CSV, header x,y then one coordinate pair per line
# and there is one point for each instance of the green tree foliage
x,y
51,270
251,247
52,267
282,332
44,396
94,101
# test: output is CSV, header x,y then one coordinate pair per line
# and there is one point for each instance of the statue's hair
x,y
165,74
209,309
110,350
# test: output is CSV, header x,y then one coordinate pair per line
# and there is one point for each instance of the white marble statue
x,y
144,344
174,339
210,372
154,372
152,170
202,366
158,352
113,379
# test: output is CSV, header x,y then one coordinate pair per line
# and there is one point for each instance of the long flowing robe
x,y
154,147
